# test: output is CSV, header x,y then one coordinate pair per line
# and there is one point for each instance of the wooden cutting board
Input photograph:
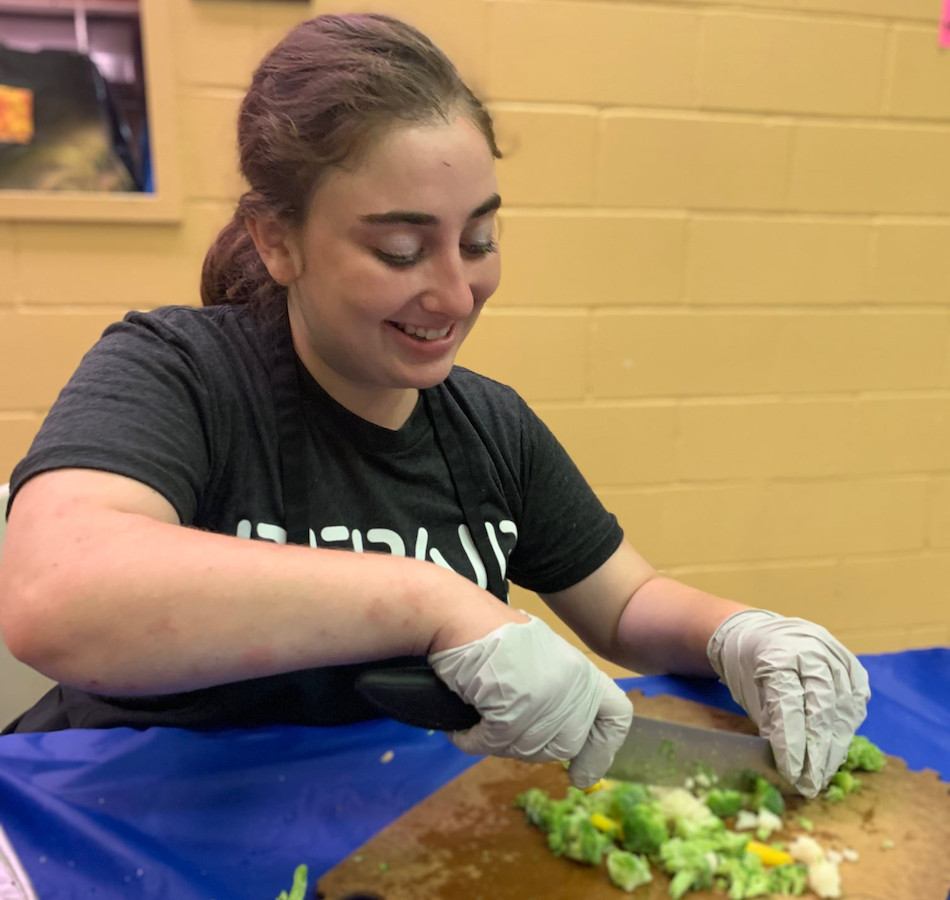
x,y
468,842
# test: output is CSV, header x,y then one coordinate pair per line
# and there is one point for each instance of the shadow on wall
x,y
20,686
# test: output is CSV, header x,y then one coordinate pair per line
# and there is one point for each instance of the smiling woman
x,y
234,511
381,294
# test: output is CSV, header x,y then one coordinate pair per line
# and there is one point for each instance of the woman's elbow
x,y
28,620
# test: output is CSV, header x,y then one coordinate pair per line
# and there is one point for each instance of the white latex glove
x,y
804,690
540,699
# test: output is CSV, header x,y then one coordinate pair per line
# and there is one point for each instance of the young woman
x,y
182,532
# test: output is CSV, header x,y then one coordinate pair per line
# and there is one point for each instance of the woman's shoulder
x,y
184,319
481,388
491,402
193,329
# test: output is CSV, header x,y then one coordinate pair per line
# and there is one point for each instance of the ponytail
x,y
233,271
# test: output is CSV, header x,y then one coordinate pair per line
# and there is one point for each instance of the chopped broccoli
x,y
541,810
644,828
745,875
573,836
627,870
298,890
863,755
690,862
765,796
682,832
842,783
623,797
724,802
790,879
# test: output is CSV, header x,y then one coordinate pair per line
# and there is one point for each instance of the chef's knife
x,y
654,752
659,752
415,695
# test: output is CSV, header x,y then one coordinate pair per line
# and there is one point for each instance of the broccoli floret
x,y
627,870
541,810
644,829
691,863
724,802
623,797
864,755
789,879
298,890
535,803
762,795
834,794
842,783
703,828
575,837
745,875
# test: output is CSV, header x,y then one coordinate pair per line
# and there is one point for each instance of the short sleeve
x,y
565,533
139,405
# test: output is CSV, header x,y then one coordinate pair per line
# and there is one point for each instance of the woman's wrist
x,y
470,614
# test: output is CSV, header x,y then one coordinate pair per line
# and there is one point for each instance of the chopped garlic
x,y
768,822
806,850
850,855
746,820
681,804
823,879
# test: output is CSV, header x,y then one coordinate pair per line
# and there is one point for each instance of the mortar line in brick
x,y
730,7
887,81
699,70
803,217
747,116
816,562
689,266
19,285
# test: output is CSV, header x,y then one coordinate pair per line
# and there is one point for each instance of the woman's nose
x,y
449,292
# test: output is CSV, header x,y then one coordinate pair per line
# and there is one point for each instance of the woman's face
x,y
393,265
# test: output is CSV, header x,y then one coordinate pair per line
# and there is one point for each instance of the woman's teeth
x,y
428,334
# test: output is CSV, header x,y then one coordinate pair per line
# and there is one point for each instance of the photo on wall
x,y
72,98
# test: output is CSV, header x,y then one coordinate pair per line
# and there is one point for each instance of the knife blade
x,y
655,751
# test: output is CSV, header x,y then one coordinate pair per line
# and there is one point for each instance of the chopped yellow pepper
x,y
603,783
769,855
606,825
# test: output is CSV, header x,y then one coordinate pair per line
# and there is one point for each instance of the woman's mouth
x,y
422,334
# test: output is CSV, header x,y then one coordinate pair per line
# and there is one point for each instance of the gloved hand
x,y
806,692
540,699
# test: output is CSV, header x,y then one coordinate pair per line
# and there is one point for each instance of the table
x,y
168,813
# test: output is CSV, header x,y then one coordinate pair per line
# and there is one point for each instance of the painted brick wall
x,y
725,243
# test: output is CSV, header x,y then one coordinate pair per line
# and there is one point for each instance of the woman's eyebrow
x,y
407,217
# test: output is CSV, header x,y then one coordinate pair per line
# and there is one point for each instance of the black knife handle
x,y
415,695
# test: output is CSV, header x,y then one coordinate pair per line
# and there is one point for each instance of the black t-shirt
x,y
181,400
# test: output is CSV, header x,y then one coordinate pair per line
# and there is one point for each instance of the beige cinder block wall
x,y
725,284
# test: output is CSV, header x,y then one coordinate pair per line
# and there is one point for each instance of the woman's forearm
x,y
118,603
666,626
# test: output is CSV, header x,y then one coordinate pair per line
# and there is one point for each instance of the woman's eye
x,y
479,248
398,260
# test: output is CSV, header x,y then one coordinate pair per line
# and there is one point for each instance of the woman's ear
x,y
277,245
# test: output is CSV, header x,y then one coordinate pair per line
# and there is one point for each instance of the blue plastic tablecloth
x,y
168,813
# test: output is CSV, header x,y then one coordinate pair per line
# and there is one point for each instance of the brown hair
x,y
316,101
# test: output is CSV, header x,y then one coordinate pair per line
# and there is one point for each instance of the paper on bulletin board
x,y
16,115
945,25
